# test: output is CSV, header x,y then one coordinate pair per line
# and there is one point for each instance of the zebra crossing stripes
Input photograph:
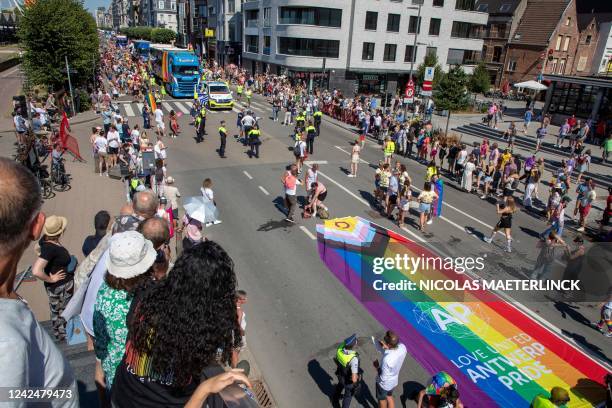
x,y
181,107
167,106
128,110
140,106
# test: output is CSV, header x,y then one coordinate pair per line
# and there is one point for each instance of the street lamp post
x,y
414,44
69,84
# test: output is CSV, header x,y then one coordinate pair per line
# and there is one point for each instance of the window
x,y
251,43
568,21
368,51
587,40
410,54
462,29
561,67
501,30
468,5
566,43
414,25
308,47
459,57
511,66
266,46
581,64
497,54
161,5
317,16
172,5
484,52
267,16
505,8
393,23
389,54
371,20
232,31
483,7
558,45
231,6
553,65
211,11
434,26
252,17
438,3
431,51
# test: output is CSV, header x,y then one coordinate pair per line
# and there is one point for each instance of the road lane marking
x,y
189,104
247,174
181,107
414,235
140,106
309,162
346,190
6,74
167,106
128,110
310,234
235,109
264,190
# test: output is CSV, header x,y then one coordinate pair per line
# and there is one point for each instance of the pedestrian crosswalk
x,y
132,109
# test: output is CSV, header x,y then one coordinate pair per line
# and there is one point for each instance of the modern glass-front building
x,y
585,97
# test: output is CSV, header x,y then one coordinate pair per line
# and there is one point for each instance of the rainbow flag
x,y
151,101
499,356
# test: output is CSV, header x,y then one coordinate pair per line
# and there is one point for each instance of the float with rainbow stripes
x,y
498,355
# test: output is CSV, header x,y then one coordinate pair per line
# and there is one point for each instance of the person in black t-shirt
x,y
175,333
101,221
55,267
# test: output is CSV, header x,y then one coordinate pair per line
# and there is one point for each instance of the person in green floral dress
x,y
130,258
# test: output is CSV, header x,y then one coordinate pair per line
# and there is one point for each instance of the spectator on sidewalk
x,y
179,329
101,222
28,355
130,257
241,300
393,354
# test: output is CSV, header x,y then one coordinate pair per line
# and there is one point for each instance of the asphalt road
x,y
297,311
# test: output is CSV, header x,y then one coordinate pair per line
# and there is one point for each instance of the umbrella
x,y
535,85
438,382
200,209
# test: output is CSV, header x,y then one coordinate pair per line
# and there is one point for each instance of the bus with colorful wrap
x,y
177,69
141,49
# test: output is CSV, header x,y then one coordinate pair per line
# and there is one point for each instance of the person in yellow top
x,y
388,149
505,158
249,93
559,397
223,138
239,89
311,133
432,169
318,115
254,140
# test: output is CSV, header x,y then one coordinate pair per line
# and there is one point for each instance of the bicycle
x,y
46,188
59,179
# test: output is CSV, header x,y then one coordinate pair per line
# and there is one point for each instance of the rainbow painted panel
x,y
498,355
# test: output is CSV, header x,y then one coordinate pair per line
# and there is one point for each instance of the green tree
x,y
51,30
163,35
451,92
431,60
480,81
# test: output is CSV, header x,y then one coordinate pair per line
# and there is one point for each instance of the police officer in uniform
x,y
349,378
318,116
255,141
223,137
300,120
239,89
311,133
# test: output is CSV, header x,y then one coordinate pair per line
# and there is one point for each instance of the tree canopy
x,y
451,92
163,35
138,32
51,30
431,60
480,80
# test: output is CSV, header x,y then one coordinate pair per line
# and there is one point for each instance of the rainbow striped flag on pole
x,y
151,102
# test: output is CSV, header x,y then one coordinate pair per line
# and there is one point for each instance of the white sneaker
x,y
351,175
482,197
208,224
215,222
487,240
581,229
429,222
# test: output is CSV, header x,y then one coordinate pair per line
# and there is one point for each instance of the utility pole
x,y
69,84
324,79
413,56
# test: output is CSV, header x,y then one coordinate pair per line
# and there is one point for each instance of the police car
x,y
219,95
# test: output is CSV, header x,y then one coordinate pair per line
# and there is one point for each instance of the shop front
x,y
585,97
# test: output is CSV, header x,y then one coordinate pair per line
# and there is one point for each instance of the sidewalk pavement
x,y
89,194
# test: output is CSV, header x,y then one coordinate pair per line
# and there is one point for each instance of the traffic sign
x,y
409,92
410,84
429,74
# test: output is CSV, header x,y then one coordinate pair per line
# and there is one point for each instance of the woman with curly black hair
x,y
177,328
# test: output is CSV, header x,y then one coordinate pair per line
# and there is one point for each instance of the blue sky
x,y
92,5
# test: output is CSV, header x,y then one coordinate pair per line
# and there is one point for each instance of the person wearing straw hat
x,y
130,257
55,267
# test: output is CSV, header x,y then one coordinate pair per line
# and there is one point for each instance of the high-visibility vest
x,y
300,118
390,147
430,173
541,401
254,133
311,130
222,131
203,112
248,93
344,357
317,114
239,89
297,136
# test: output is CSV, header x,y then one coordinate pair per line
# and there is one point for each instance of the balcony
x,y
252,49
252,23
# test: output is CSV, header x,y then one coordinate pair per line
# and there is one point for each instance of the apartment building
x,y
359,46
159,13
226,22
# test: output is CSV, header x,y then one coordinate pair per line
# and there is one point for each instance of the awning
x,y
534,85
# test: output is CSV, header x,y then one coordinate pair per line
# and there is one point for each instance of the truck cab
x,y
219,95
141,49
177,68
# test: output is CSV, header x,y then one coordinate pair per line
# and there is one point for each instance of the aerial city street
x,y
410,200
